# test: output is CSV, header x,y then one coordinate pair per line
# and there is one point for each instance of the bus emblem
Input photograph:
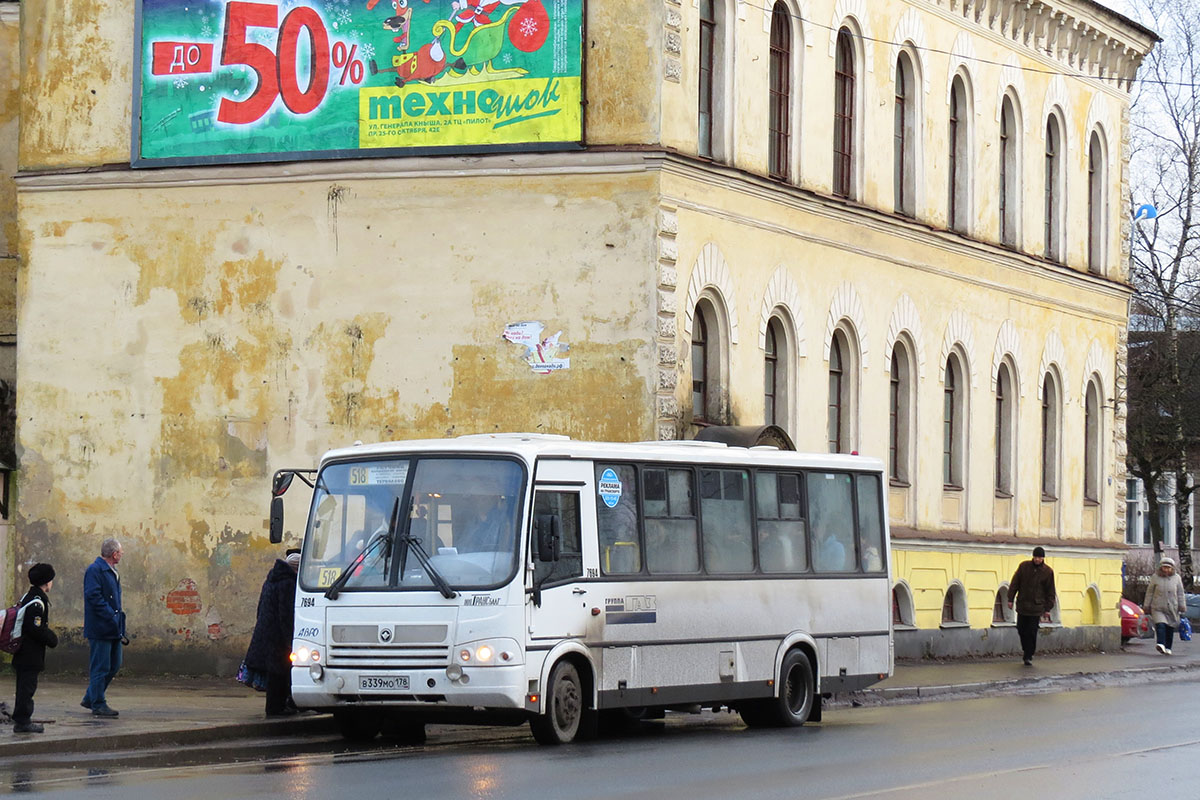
x,y
385,634
633,609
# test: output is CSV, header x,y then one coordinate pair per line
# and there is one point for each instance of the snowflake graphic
x,y
264,36
206,31
181,83
368,50
529,26
507,58
345,17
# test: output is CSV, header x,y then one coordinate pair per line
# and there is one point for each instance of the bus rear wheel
x,y
564,707
797,694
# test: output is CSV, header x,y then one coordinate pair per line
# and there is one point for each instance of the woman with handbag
x,y
267,664
1165,603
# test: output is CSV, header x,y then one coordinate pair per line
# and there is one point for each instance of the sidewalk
x,y
163,712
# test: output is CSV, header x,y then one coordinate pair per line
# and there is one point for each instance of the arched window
x,y
842,405
699,367
959,155
836,395
1091,443
1052,226
1050,418
953,424
780,87
843,115
905,137
776,374
902,606
1005,405
1001,613
1097,204
900,403
954,605
1010,173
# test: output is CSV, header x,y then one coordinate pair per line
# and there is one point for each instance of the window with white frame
x,y
959,153
905,137
1051,415
1091,443
1052,227
1010,173
1097,230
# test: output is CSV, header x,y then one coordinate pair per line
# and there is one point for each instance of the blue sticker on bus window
x,y
609,488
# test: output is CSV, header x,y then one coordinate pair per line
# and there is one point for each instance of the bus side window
x,y
725,515
617,519
670,519
831,512
570,561
782,531
870,523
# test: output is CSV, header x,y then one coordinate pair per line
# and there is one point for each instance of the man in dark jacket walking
x,y
103,625
271,643
1032,588
36,636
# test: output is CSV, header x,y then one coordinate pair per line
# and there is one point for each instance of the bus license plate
x,y
382,683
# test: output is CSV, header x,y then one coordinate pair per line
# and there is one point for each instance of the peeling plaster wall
x,y
76,92
241,331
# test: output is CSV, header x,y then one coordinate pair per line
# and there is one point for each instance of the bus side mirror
x,y
281,483
276,519
548,530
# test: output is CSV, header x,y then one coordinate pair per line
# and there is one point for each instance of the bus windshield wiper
x,y
408,540
383,538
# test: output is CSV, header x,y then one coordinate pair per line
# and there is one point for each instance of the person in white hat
x,y
1165,602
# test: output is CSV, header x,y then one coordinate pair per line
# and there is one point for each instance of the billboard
x,y
223,81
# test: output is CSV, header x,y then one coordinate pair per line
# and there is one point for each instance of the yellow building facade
x,y
760,223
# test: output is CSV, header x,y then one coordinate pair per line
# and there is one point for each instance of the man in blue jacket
x,y
103,625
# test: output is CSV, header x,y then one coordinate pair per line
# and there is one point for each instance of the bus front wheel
x,y
357,725
564,707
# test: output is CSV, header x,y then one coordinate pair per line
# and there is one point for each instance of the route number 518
x,y
276,71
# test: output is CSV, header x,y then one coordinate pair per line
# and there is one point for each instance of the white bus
x,y
525,577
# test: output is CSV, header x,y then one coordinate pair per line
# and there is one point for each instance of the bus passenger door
x,y
566,599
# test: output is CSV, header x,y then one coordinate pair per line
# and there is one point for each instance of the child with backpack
x,y
36,636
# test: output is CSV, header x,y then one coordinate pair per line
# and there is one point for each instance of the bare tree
x,y
1164,264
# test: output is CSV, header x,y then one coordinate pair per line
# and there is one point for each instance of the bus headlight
x,y
317,673
302,656
492,652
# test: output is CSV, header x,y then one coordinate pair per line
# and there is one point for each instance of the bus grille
x,y
389,656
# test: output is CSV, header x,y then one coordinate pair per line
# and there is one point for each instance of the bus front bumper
x,y
335,687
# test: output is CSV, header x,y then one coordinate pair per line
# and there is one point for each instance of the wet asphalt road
x,y
1106,743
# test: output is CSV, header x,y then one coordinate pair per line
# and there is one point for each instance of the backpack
x,y
10,626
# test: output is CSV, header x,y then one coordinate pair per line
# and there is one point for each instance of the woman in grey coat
x,y
1165,602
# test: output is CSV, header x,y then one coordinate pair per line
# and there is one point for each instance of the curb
x,y
202,734
1034,683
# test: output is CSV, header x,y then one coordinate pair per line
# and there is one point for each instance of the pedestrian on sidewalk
x,y
1165,602
36,636
103,626
1032,589
271,643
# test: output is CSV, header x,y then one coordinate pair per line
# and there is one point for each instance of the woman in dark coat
x,y
271,643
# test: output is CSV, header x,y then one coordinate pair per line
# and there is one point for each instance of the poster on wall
x,y
222,81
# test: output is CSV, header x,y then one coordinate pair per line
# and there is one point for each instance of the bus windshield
x,y
462,511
